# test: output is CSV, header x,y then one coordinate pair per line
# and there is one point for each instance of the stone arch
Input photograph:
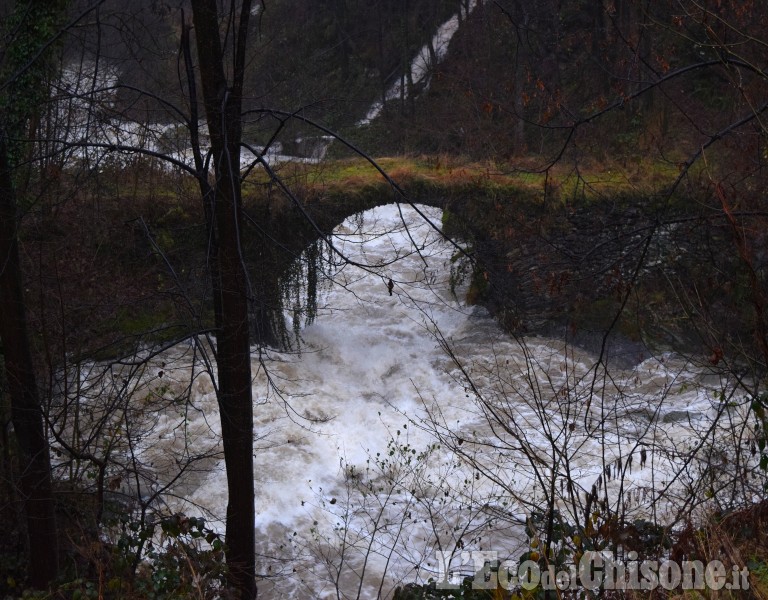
x,y
282,229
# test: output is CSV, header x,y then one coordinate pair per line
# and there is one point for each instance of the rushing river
x,y
410,423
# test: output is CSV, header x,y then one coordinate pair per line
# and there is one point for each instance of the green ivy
x,y
28,64
759,409
184,557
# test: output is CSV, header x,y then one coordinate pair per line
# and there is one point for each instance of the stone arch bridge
x,y
279,229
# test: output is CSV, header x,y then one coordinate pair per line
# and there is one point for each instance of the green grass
x,y
449,174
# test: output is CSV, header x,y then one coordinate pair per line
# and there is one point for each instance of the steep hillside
x,y
516,80
328,60
627,79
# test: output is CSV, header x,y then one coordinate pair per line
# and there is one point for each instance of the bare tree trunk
x,y
223,111
26,412
207,193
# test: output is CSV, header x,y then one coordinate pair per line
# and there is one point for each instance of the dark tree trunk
x,y
522,58
223,112
207,193
26,412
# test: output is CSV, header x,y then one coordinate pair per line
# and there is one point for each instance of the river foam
x,y
411,423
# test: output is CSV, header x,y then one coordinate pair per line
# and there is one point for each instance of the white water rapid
x,y
422,66
373,449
